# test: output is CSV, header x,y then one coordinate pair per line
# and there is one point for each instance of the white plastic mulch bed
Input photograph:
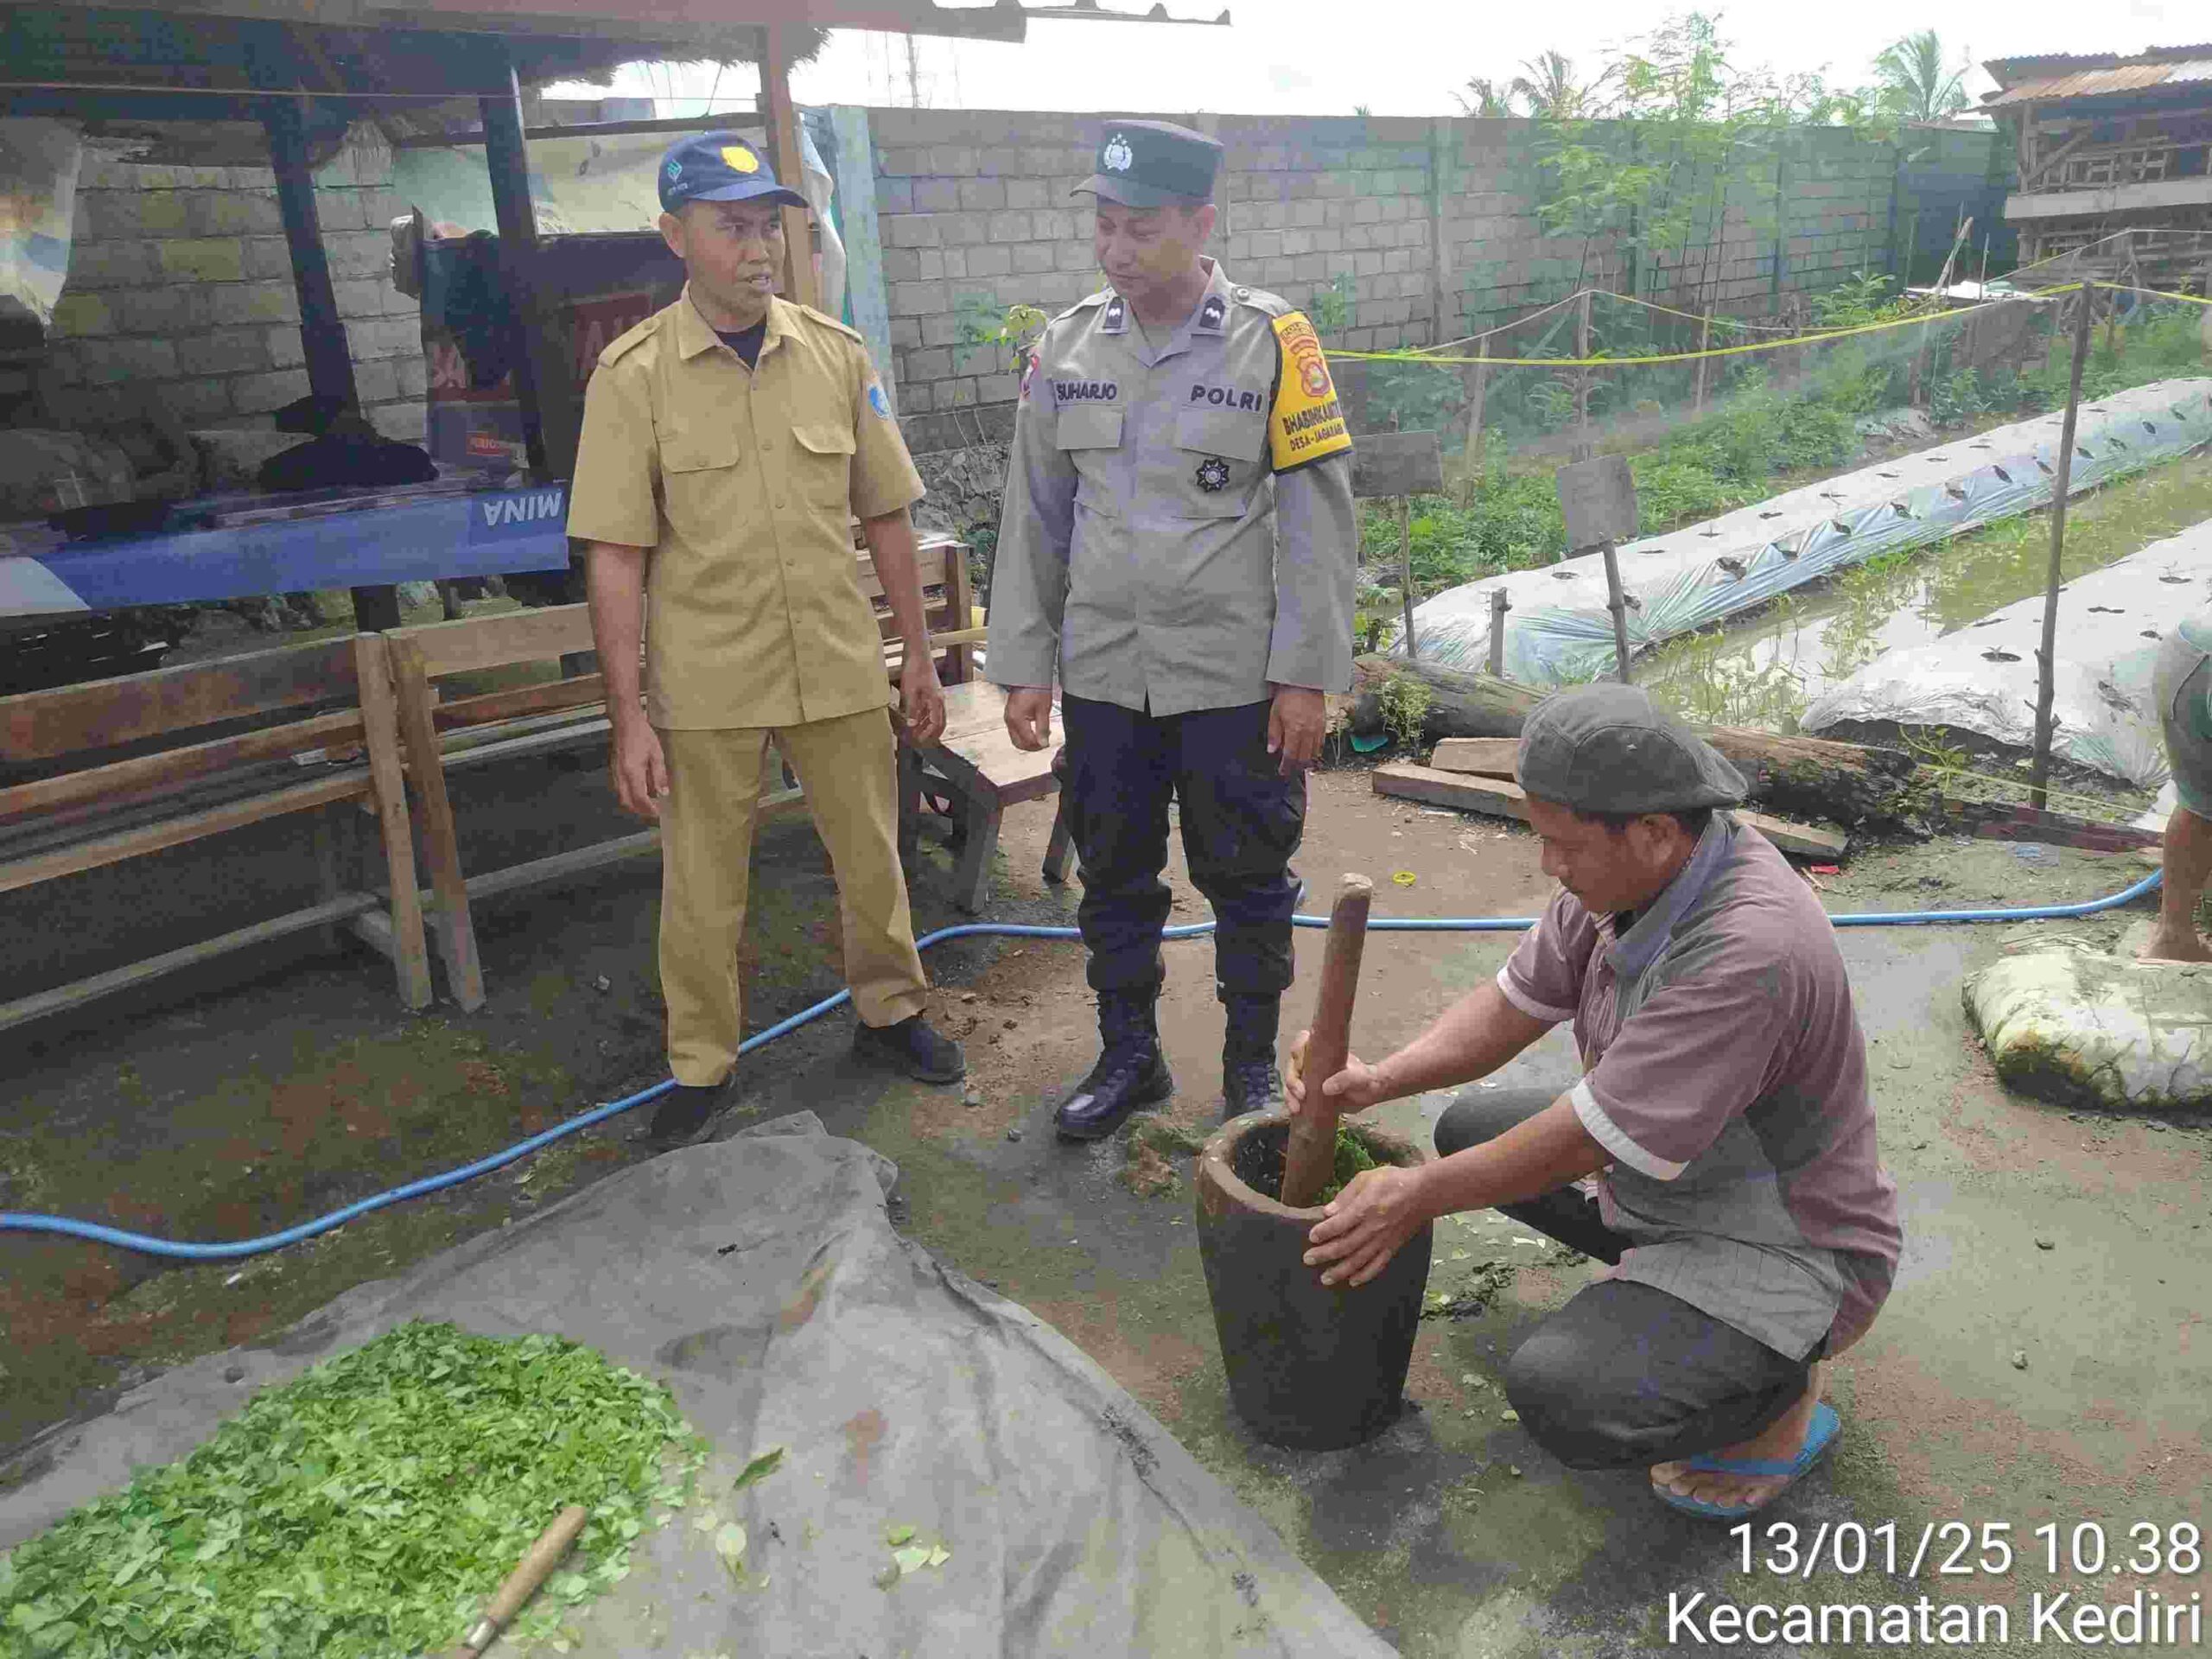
x,y
1982,678
1559,630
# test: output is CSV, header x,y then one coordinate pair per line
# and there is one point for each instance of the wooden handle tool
x,y
1311,1156
521,1584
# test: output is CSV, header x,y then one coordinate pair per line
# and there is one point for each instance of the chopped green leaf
x,y
760,1468
729,1544
367,1508
938,1556
910,1557
897,1534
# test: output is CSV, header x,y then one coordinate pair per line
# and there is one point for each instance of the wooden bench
x,y
440,734
111,780
976,762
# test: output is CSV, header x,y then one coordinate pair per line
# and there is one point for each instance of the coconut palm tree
x,y
1549,87
1914,82
1482,97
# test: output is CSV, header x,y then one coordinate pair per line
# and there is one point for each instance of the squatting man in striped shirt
x,y
1717,1154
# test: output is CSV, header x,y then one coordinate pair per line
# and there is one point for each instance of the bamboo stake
x,y
1616,603
1582,380
2046,659
1406,569
1704,343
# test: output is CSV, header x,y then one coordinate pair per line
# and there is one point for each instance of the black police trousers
x,y
1241,822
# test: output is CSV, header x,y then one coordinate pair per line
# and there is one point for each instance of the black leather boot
x,y
1131,1070
1249,1082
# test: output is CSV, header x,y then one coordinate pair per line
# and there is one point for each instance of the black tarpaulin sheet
x,y
761,1279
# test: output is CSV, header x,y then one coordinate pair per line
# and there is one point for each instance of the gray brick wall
x,y
181,289
976,215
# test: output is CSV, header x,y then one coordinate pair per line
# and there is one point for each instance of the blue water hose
x,y
94,1232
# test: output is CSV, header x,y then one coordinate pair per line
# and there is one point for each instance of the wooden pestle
x,y
521,1584
1310,1157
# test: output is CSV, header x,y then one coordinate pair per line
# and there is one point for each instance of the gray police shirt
x,y
1178,531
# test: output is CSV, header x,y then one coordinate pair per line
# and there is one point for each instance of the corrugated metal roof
x,y
2093,83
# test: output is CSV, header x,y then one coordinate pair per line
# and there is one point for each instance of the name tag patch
x,y
1085,392
1227,397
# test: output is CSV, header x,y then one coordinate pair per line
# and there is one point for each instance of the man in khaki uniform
x,y
727,441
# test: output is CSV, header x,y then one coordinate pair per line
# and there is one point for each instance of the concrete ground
x,y
2042,1361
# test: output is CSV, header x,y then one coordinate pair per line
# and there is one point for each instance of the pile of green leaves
x,y
368,1508
1352,1156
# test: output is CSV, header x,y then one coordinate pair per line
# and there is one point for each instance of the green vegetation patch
x,y
1352,1156
370,1507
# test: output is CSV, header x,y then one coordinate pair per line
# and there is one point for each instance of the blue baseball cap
x,y
719,166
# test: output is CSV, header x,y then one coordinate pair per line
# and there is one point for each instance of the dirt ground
x,y
2042,1359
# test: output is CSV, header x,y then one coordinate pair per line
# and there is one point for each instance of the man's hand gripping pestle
x,y
1311,1158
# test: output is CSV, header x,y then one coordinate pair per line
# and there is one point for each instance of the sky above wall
x,y
1392,57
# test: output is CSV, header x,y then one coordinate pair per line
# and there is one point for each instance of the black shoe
x,y
914,1047
1131,1072
1249,1082
1249,1085
684,1112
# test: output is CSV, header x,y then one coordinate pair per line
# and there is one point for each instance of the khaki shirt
x,y
743,483
1179,531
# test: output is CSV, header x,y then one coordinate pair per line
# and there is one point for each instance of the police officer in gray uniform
x,y
1178,549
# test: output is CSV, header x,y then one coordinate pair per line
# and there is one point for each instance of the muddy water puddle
x,y
1767,669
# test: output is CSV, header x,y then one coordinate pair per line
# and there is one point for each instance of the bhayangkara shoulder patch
x,y
1308,424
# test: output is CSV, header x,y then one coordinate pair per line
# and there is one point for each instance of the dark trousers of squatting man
x,y
1241,822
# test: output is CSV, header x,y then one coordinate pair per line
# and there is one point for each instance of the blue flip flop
x,y
1824,1430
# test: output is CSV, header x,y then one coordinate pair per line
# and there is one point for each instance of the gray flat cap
x,y
1605,748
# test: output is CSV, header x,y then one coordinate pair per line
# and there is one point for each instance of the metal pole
x,y
1618,606
2046,663
506,161
1499,605
323,335
1405,568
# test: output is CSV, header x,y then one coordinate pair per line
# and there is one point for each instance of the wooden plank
x,y
567,735
1454,789
1508,800
174,832
1994,821
379,722
77,993
1487,757
1396,463
44,725
477,642
418,737
959,666
150,776
585,690
1807,841
929,566
580,861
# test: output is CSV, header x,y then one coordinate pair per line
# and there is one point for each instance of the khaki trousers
x,y
849,768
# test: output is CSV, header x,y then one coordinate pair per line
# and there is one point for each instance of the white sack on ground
x,y
2069,1023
